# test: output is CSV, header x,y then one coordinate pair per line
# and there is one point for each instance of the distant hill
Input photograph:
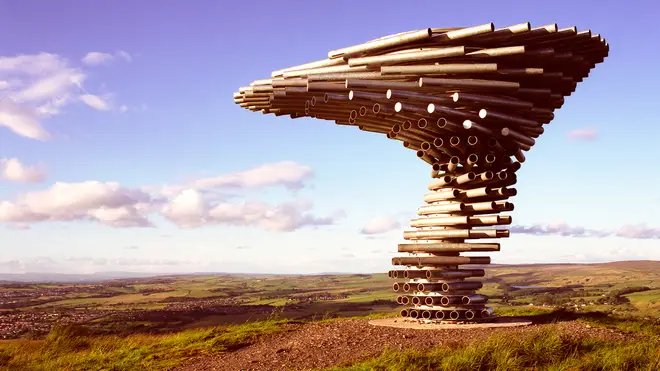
x,y
35,277
648,266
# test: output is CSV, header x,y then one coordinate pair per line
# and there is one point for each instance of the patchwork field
x,y
150,312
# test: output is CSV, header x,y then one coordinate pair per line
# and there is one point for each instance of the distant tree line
x,y
617,296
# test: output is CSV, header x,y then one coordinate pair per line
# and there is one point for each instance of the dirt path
x,y
320,345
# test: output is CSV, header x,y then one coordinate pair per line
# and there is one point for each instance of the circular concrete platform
x,y
419,325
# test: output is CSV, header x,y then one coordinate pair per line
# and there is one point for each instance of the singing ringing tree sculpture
x,y
469,102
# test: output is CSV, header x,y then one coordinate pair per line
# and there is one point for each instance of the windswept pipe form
x,y
470,102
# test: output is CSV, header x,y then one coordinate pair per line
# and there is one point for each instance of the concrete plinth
x,y
420,325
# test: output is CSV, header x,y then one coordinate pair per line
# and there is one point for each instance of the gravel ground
x,y
320,345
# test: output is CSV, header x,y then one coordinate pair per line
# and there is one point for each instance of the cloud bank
x,y
563,229
187,206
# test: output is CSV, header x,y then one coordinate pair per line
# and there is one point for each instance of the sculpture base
x,y
446,325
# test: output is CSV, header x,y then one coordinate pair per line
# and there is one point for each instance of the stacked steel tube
x,y
469,102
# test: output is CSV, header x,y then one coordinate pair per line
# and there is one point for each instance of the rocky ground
x,y
320,345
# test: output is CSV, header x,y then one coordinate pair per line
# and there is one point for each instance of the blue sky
x,y
124,131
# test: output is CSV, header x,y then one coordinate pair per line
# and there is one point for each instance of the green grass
x,y
522,311
629,324
546,350
71,348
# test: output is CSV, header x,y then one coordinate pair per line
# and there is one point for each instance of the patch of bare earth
x,y
320,345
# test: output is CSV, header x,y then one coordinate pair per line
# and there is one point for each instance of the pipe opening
x,y
426,146
438,142
454,314
490,158
442,122
354,114
326,98
313,101
413,314
407,125
363,111
444,301
405,300
422,123
396,287
472,140
426,314
469,315
439,315
420,153
416,300
454,141
376,108
428,301
404,312
406,287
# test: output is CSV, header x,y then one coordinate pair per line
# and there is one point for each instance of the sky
x,y
121,148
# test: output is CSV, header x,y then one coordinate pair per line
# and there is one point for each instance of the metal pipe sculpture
x,y
465,100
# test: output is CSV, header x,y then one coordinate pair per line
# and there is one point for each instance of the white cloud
x,y
54,87
124,55
381,224
23,121
639,232
32,64
191,209
99,58
117,206
96,58
123,108
107,203
95,102
34,87
587,134
286,173
12,169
